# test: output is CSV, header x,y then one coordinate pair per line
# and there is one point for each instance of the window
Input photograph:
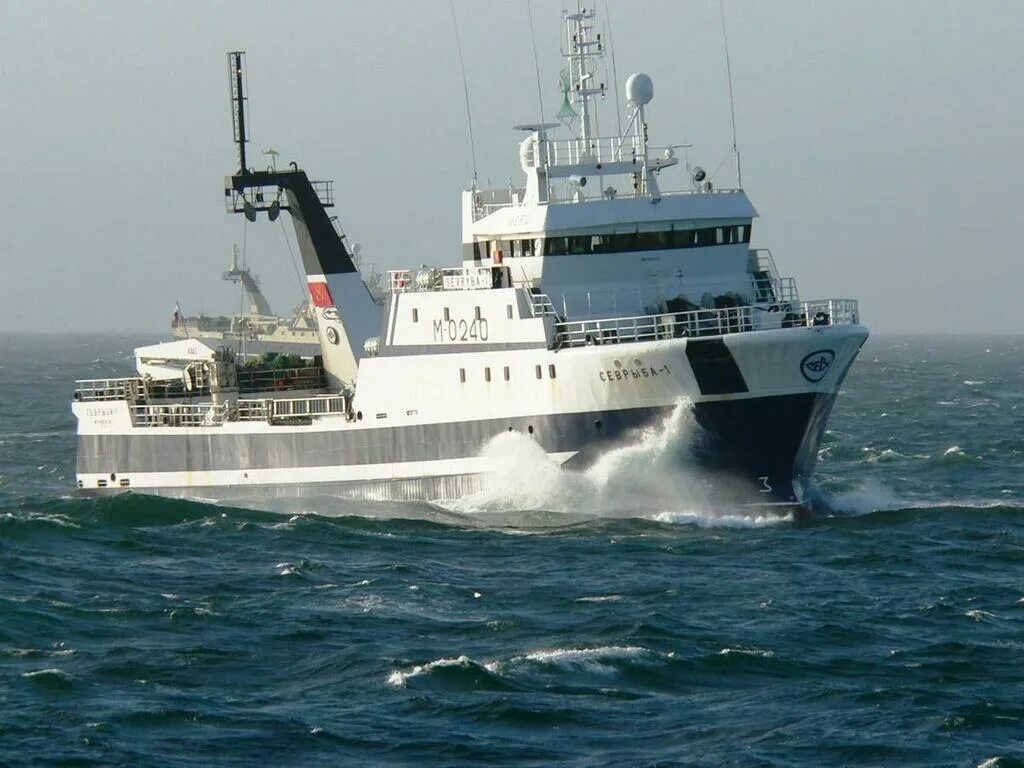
x,y
507,376
476,312
508,310
462,375
487,374
626,242
415,315
551,371
538,372
447,316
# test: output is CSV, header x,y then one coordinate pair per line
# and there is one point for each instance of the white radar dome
x,y
639,89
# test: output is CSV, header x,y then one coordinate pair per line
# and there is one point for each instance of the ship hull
x,y
754,431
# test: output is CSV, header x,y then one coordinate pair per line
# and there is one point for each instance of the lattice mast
x,y
582,50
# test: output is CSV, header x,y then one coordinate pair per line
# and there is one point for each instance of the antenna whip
x,y
732,106
536,65
465,89
615,71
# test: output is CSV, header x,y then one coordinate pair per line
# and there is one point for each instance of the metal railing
x,y
768,285
291,408
210,415
252,380
440,279
108,389
540,304
707,322
179,415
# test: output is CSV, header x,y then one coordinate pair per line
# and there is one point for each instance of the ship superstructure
x,y
590,302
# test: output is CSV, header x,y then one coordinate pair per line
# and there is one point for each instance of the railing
x,y
440,279
107,389
540,305
209,415
321,405
179,415
768,286
707,322
275,380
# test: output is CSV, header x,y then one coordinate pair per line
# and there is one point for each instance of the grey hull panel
x,y
150,451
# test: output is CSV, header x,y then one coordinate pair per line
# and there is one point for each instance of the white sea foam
x,y
49,674
573,655
759,652
869,497
591,660
399,679
647,476
979,615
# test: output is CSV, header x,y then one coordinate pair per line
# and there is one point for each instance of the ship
x,y
591,303
257,331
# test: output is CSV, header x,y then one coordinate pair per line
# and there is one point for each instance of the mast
x,y
236,62
583,48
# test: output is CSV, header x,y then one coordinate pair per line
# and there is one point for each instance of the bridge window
x,y
626,242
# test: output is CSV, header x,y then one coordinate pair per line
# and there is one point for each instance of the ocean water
x,y
611,618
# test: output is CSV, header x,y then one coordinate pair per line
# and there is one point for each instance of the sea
x,y
609,618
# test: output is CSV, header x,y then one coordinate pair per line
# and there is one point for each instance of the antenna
x,y
536,66
465,89
235,65
615,71
732,105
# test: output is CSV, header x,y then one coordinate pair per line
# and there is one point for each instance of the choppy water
x,y
606,619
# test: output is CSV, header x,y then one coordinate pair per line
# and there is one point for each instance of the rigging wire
x,y
536,64
732,105
615,71
295,265
465,89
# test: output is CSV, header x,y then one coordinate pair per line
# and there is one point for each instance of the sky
x,y
880,141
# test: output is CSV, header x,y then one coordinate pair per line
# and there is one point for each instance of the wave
x,y
510,673
873,498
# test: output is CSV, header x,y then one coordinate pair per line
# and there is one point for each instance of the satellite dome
x,y
639,89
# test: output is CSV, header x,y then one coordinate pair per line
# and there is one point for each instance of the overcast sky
x,y
881,141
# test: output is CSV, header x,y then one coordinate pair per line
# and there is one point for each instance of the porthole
x,y
359,415
597,424
530,429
